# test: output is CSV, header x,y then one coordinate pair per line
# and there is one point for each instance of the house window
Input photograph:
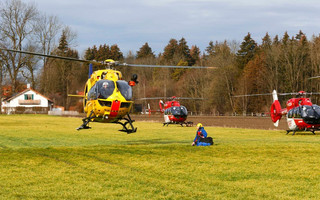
x,y
28,97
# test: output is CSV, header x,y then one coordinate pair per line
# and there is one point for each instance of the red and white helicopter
x,y
301,113
173,111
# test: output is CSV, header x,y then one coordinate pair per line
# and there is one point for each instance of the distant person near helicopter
x,y
201,138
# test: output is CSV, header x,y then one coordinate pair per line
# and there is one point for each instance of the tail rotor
x,y
161,105
275,110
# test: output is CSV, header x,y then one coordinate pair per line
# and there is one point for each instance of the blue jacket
x,y
200,133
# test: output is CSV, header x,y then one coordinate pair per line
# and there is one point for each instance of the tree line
x,y
284,63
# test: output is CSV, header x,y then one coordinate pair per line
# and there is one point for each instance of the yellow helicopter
x,y
107,98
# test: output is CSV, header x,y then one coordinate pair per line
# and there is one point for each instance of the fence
x,y
25,110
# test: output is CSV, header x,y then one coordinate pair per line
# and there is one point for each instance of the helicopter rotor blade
x,y
252,95
151,98
280,94
296,93
166,66
54,56
189,98
314,77
106,62
183,98
45,55
312,93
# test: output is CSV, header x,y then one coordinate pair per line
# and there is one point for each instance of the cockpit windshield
x,y
125,89
184,110
176,111
105,88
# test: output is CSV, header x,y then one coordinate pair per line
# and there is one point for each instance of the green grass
x,y
44,157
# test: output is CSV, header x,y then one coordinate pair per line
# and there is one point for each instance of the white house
x,y
27,101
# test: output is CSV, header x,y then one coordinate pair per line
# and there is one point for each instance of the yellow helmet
x,y
199,125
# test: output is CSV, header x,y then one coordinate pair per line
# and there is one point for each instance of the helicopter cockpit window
x,y
175,110
296,112
290,113
184,110
125,89
92,94
105,88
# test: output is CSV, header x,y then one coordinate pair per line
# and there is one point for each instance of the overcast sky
x,y
131,23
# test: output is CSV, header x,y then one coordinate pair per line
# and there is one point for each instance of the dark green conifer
x,y
145,52
210,49
246,52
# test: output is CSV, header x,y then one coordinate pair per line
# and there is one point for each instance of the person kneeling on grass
x,y
201,138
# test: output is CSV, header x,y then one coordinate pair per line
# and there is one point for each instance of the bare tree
x,y
46,29
16,19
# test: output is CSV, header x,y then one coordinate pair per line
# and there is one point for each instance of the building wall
x,y
38,104
15,102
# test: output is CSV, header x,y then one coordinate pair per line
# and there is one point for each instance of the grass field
x,y
44,157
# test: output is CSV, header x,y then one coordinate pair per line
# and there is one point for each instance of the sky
x,y
132,23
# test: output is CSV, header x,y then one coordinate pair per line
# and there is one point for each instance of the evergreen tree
x,y
246,52
266,41
210,49
169,51
89,54
183,51
145,52
276,40
63,44
194,54
285,38
115,53
103,53
299,35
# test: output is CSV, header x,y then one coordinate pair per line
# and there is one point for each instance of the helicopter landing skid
x,y
188,124
86,121
294,132
127,125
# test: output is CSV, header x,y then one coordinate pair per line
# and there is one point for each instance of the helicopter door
x,y
166,118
